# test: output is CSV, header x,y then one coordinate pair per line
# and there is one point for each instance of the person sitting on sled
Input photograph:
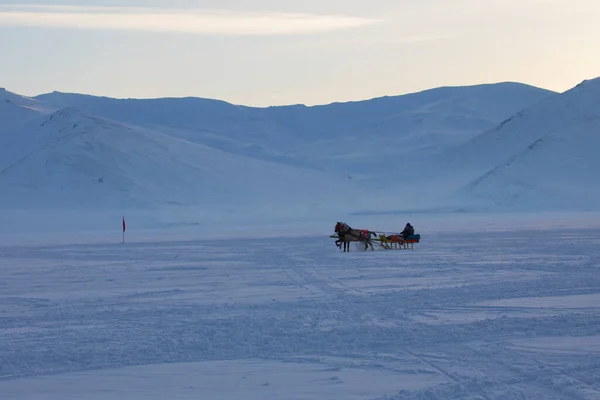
x,y
408,231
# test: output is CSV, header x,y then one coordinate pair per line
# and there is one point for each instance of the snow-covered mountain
x,y
77,152
356,137
544,157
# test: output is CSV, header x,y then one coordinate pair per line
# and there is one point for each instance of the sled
x,y
396,242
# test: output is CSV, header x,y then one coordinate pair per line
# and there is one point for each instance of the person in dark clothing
x,y
408,231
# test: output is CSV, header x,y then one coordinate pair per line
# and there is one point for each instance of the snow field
x,y
490,315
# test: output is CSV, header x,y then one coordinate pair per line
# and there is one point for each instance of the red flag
x,y
123,224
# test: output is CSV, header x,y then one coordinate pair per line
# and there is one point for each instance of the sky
x,y
276,52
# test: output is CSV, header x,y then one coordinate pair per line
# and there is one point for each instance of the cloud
x,y
205,22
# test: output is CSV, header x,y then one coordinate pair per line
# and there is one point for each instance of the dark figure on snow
x,y
408,231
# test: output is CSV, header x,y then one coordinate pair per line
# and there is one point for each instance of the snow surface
x,y
502,310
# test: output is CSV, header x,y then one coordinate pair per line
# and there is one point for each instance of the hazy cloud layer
x,y
177,21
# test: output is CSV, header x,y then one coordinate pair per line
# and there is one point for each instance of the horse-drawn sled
x,y
404,240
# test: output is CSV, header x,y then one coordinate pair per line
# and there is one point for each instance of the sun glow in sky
x,y
266,52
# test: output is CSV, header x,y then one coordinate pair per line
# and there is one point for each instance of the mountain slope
x,y
546,157
70,160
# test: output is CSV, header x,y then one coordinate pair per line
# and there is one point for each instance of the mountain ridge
x,y
151,153
329,135
346,102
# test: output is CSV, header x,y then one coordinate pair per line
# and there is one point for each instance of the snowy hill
x,y
545,157
357,137
71,160
67,152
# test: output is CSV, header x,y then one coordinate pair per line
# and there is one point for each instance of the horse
x,y
346,235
